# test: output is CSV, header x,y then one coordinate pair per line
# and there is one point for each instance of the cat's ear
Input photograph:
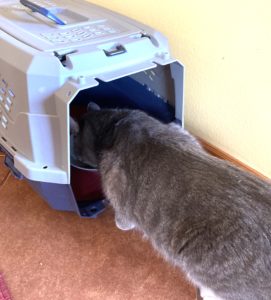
x,y
74,127
93,106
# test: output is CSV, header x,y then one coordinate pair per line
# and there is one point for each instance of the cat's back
x,y
168,156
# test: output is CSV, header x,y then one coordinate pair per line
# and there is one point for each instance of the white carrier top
x,y
83,24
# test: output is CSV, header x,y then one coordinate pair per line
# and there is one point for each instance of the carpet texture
x,y
51,255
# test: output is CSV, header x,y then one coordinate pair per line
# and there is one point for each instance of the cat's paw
x,y
123,224
208,294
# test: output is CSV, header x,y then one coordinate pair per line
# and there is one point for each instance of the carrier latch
x,y
119,49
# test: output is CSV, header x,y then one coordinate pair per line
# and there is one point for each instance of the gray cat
x,y
201,213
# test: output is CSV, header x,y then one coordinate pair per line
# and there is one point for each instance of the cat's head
x,y
83,138
93,133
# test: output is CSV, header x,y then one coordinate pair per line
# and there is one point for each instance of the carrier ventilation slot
x,y
6,141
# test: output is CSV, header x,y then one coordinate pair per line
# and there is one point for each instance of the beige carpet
x,y
45,254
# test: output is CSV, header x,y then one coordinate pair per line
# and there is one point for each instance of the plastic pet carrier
x,y
55,57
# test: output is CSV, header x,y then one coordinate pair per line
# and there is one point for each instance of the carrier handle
x,y
118,50
43,11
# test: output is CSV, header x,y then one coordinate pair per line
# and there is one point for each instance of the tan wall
x,y
226,49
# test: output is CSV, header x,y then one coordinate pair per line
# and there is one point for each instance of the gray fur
x,y
201,213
